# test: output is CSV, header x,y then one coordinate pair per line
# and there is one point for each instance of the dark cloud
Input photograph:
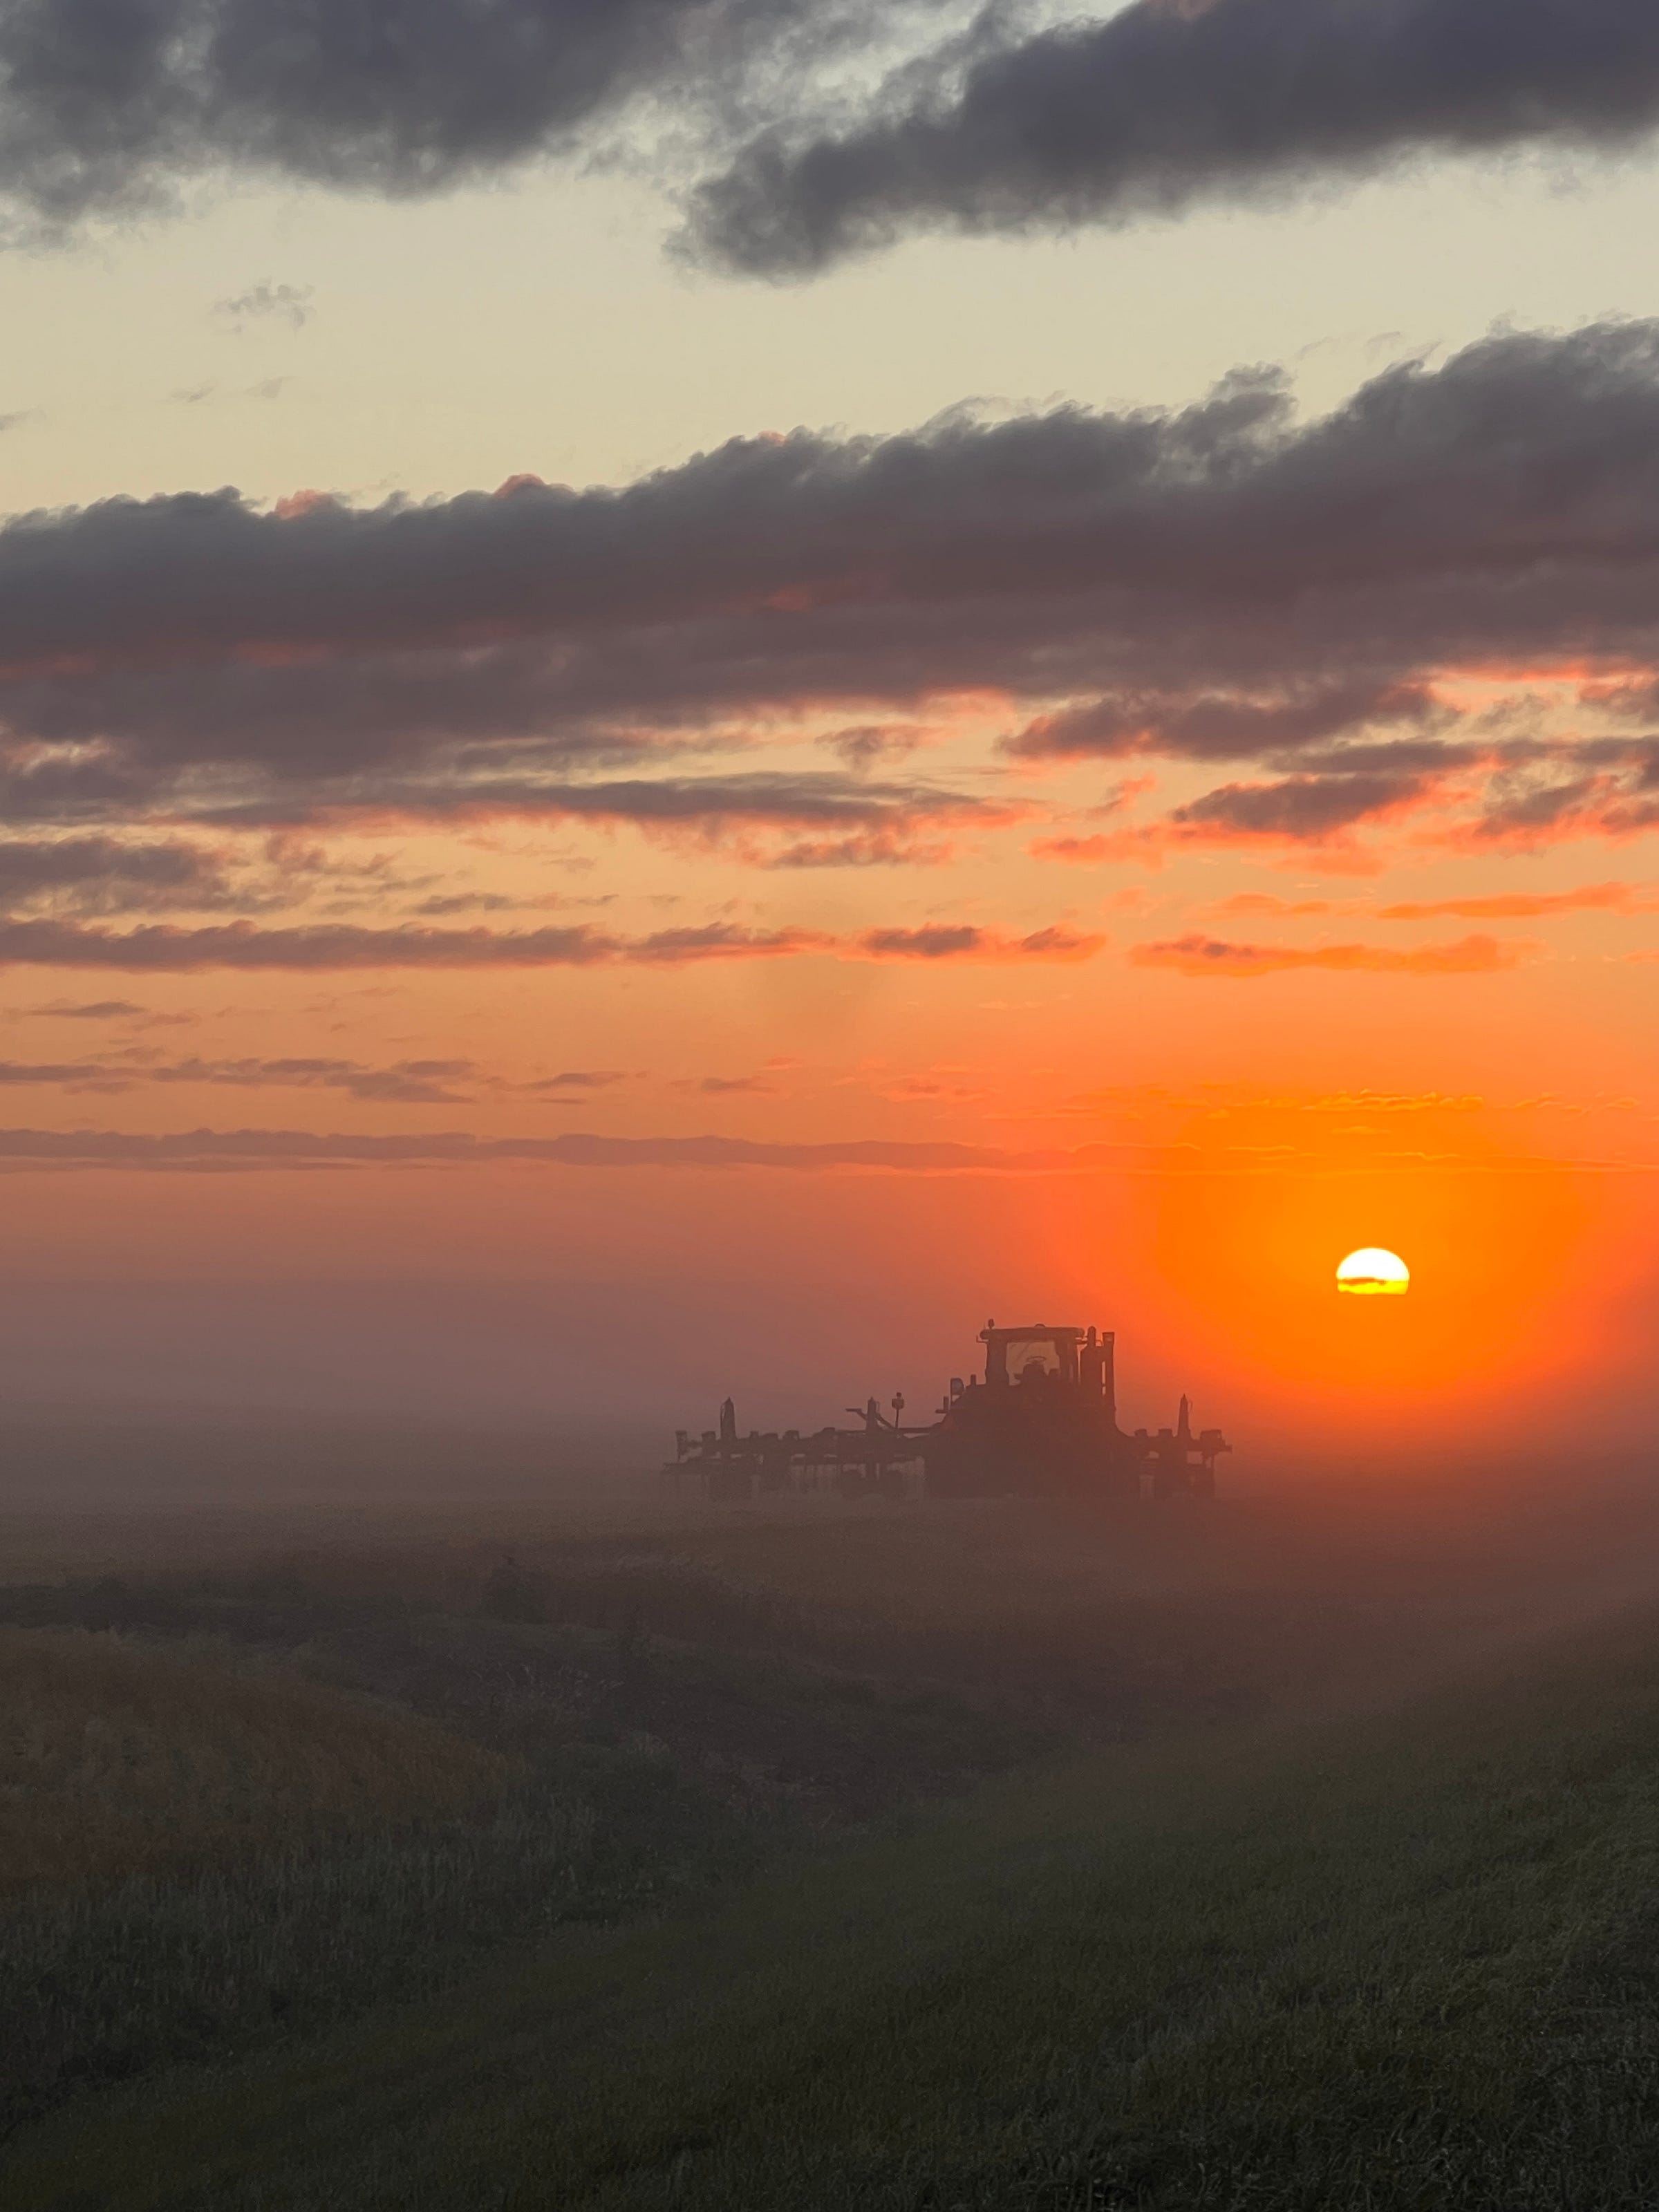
x,y
863,746
106,106
79,1075
1521,450
958,941
1211,727
1209,956
1167,104
1518,449
407,1083
209,1149
1301,807
442,904
261,1151
108,875
1223,582
162,948
100,1010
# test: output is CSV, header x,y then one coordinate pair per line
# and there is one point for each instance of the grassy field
x,y
118,1758
989,1860
1406,1962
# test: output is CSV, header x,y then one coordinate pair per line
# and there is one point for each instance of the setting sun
x,y
1374,1274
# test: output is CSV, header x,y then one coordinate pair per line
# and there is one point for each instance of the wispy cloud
x,y
1196,954
1528,906
726,1086
217,1150
290,305
211,1151
580,1079
164,948
96,1009
405,1083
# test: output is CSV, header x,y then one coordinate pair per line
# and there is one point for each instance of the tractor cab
x,y
1038,1357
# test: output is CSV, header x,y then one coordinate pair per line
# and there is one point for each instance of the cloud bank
x,y
160,948
211,1150
1166,104
1196,954
820,128
1225,584
106,109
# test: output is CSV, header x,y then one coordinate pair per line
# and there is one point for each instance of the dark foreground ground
x,y
590,1855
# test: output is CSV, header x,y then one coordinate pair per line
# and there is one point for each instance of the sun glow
x,y
1373,1273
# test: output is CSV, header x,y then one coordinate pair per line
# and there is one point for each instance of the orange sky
x,y
1154,785
1183,1156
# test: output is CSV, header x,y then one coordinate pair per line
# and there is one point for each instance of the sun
x,y
1374,1274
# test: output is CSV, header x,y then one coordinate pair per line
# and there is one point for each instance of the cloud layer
x,y
214,1150
107,108
1167,104
1299,606
160,948
1196,954
811,146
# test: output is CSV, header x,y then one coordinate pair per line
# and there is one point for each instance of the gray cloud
x,y
406,1083
262,1151
162,948
80,1075
1207,727
210,1149
1222,582
1196,954
960,941
108,875
289,304
107,108
1167,104
723,1087
1520,451
1301,807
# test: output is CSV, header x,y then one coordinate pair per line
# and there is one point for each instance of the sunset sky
x,y
691,690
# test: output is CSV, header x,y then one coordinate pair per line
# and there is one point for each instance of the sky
x,y
694,690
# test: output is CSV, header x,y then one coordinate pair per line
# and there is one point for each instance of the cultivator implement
x,y
1042,1421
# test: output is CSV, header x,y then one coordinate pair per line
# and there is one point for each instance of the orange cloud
x,y
1195,955
1265,903
1528,906
1152,843
1084,852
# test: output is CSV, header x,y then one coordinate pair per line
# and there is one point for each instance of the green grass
x,y
206,1850
117,1757
1408,1961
